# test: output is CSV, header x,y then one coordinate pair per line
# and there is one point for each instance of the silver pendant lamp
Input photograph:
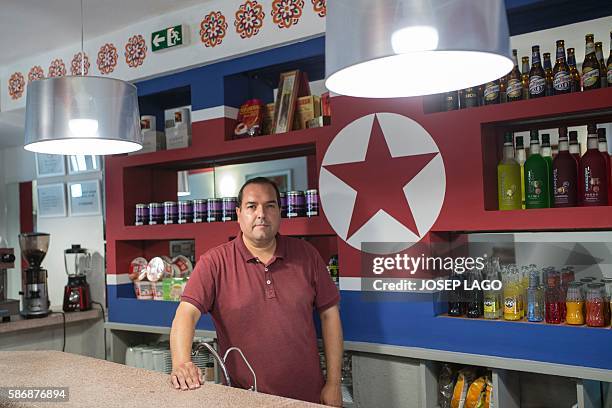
x,y
397,48
82,115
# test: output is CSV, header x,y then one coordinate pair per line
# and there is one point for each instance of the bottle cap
x,y
534,136
535,48
573,135
519,142
601,134
546,139
563,132
592,129
508,138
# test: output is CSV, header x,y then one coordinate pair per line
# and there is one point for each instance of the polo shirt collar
x,y
279,252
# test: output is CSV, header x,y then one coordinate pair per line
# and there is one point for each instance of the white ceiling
x,y
31,27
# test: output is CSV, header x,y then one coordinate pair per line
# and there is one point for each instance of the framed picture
x,y
286,97
84,198
83,164
51,200
49,165
282,178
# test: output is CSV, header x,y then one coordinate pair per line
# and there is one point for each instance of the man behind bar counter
x,y
260,290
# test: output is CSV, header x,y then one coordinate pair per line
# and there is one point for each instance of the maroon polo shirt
x,y
267,312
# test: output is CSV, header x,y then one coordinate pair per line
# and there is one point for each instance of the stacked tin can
x,y
185,212
200,210
142,214
156,213
312,203
296,205
170,212
215,210
228,209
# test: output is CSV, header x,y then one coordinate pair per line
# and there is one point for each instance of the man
x,y
260,290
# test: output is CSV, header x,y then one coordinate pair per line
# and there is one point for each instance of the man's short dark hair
x,y
261,181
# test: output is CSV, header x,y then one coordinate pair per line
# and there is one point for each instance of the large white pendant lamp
x,y
397,48
82,115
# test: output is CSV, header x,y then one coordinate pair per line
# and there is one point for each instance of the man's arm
x,y
185,375
334,349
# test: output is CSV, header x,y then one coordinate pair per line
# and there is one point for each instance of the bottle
x,y
503,84
594,173
457,305
574,146
590,66
561,71
333,269
451,101
514,86
469,97
546,152
574,304
602,144
512,293
525,77
537,76
553,299
491,93
565,175
609,64
535,299
475,296
521,158
537,176
509,178
576,83
493,299
548,75
602,64
596,305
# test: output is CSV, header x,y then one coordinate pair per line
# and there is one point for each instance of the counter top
x,y
53,319
94,382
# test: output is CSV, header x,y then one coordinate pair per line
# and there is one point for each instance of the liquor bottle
x,y
565,175
590,66
576,84
469,97
574,149
525,77
475,297
491,93
493,299
602,64
514,86
521,158
548,75
457,305
451,101
512,293
535,298
509,178
546,152
594,173
537,193
537,77
503,84
603,149
609,64
561,71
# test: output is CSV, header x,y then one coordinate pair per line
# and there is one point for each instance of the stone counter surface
x,y
94,382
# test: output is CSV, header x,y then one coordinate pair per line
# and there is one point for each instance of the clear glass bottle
x,y
595,305
512,293
553,299
456,298
474,296
574,304
535,298
493,299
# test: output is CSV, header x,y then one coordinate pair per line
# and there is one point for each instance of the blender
x,y
35,293
77,296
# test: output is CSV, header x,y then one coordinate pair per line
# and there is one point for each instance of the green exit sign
x,y
170,37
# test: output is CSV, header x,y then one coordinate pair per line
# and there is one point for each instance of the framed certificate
x,y
84,198
51,200
285,101
83,164
49,165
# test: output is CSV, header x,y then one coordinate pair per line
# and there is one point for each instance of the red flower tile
x,y
286,13
213,29
249,19
36,73
57,68
75,65
135,51
16,85
107,58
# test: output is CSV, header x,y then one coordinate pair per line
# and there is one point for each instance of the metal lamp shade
x,y
80,115
183,183
395,48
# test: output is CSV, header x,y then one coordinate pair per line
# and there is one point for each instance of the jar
x,y
185,212
214,207
553,299
312,203
142,214
228,208
156,213
283,204
595,305
296,206
200,210
170,212
574,304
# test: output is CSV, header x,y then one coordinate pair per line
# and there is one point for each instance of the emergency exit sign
x,y
170,37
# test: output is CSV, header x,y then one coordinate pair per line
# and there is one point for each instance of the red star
x,y
379,181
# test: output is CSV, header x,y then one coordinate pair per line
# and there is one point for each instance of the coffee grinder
x,y
77,296
35,293
8,307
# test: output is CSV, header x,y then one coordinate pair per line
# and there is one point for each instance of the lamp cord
x,y
103,320
82,45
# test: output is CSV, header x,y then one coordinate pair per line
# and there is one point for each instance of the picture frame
x,y
50,165
51,200
282,178
84,198
284,107
79,164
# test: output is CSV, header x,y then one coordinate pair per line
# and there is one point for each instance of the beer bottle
x,y
537,77
561,71
491,93
451,101
609,67
590,66
575,84
503,83
548,74
514,87
525,77
602,65
469,97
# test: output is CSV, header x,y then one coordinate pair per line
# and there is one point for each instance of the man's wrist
x,y
333,381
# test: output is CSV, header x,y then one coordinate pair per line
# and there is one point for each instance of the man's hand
x,y
186,376
331,395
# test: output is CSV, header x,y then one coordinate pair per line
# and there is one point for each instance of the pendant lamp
x,y
82,115
183,183
397,48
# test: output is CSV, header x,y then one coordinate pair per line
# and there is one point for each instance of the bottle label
x,y
561,189
514,88
594,188
590,48
562,81
511,305
590,76
491,91
609,74
537,84
535,58
490,306
560,52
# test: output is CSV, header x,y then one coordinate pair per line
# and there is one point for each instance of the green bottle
x,y
521,158
536,176
546,152
509,178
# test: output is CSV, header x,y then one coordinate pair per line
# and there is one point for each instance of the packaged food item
x,y
464,379
446,383
170,212
143,289
250,117
138,269
228,209
142,214
157,289
267,122
159,268
185,212
173,288
475,396
488,392
184,267
306,109
326,104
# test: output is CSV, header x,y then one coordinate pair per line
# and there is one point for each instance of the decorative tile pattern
x,y
107,58
320,7
57,68
135,51
75,65
213,29
286,13
36,73
16,85
249,19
